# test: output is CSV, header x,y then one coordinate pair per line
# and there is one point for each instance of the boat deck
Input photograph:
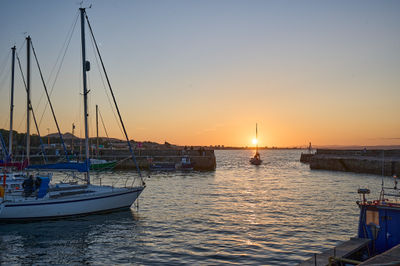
x,y
63,188
390,257
342,250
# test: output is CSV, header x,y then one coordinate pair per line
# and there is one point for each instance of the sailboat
x,y
69,199
256,160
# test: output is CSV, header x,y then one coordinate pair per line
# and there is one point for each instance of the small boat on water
x,y
378,237
379,220
256,160
162,166
101,165
184,165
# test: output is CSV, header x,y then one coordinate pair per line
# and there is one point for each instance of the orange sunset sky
x,y
205,72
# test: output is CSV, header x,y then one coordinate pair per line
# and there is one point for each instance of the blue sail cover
x,y
80,167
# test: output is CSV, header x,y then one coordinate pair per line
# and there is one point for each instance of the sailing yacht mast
x,y
72,139
85,67
97,131
28,91
10,137
257,140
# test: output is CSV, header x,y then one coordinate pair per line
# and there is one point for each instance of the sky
x,y
205,72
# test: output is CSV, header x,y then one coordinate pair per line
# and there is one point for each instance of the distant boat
x,y
186,164
101,165
256,160
162,166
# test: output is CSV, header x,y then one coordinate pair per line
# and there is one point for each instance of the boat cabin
x,y
379,219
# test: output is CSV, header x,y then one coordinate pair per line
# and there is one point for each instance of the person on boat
x,y
38,182
28,186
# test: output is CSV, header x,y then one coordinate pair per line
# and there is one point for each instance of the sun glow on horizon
x,y
254,141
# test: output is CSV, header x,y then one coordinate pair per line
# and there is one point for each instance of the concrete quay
x,y
379,162
306,157
202,159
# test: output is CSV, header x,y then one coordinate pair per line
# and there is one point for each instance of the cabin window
x,y
372,217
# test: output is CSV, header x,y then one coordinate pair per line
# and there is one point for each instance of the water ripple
x,y
276,214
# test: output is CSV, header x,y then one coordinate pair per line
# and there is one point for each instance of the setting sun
x,y
255,141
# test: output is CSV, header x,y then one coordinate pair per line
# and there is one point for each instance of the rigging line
x,y
50,104
59,68
6,122
23,79
104,126
20,48
33,113
104,87
20,124
5,63
2,71
65,44
115,102
4,79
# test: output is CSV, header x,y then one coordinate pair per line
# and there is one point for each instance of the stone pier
x,y
379,162
202,159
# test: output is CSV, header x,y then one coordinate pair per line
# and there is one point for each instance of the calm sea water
x,y
279,213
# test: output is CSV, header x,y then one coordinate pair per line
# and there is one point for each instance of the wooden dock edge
x,y
342,250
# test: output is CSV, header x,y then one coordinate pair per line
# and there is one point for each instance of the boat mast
x,y
97,131
10,139
257,140
85,67
28,91
72,139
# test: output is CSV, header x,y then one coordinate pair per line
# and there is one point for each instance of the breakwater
x,y
306,157
379,162
202,159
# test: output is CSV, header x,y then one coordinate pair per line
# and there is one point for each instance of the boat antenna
x,y
112,94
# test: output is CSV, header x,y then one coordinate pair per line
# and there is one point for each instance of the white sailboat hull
x,y
103,200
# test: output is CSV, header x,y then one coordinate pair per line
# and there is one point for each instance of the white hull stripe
x,y
69,201
23,219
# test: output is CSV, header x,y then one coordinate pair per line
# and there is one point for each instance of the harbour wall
x,y
202,159
306,157
379,162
